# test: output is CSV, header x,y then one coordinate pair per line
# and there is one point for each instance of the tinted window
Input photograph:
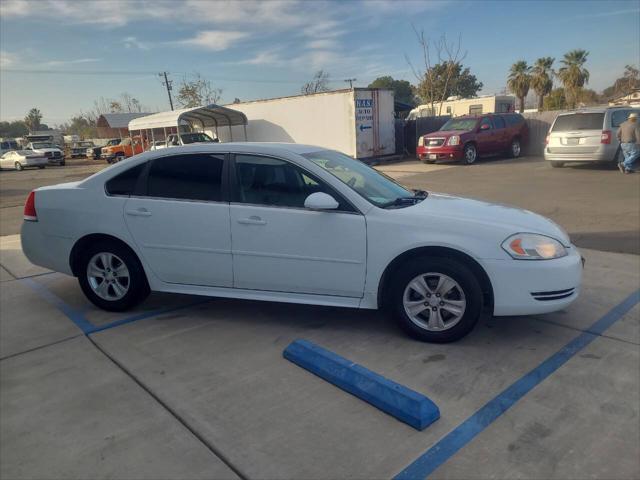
x,y
514,119
190,177
461,124
619,116
498,122
579,121
125,183
270,181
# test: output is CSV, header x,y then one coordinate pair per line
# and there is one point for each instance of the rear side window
x,y
514,119
125,183
578,121
188,177
498,122
620,116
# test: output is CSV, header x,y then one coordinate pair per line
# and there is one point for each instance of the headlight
x,y
531,246
454,140
421,142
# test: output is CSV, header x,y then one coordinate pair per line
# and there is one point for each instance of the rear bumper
x,y
602,154
50,252
441,153
532,287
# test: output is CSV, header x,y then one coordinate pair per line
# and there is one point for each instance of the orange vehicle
x,y
126,148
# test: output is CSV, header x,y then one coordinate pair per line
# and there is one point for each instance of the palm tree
x,y
541,78
573,74
32,120
519,81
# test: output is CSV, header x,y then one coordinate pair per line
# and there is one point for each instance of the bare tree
x,y
319,83
197,91
442,63
130,103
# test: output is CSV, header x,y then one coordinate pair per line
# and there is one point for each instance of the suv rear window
x,y
578,121
619,116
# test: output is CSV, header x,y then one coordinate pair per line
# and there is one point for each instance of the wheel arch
x,y
84,242
438,252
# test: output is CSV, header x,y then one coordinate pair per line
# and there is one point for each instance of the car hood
x,y
504,219
446,133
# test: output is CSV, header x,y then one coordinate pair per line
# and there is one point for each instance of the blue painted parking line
x,y
397,400
424,465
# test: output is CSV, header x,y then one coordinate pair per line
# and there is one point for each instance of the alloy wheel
x,y
470,154
434,301
108,276
515,148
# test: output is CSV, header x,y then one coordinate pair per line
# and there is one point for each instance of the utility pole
x,y
167,83
350,80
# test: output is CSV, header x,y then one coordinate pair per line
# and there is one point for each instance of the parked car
x,y
158,144
468,137
94,152
174,140
295,223
7,144
126,148
586,136
54,154
79,149
21,159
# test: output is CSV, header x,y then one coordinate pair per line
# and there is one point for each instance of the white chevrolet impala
x,y
296,223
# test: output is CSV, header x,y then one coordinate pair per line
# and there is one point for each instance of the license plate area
x,y
571,141
433,156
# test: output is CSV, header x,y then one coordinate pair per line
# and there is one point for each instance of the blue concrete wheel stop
x,y
406,405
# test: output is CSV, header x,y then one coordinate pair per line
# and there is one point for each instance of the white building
x,y
455,106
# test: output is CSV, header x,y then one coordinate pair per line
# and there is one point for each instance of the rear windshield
x,y
579,121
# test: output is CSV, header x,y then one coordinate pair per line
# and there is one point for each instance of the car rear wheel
x,y
112,277
470,154
515,149
41,167
436,299
18,166
557,164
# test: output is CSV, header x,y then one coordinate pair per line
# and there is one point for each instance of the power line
x,y
350,80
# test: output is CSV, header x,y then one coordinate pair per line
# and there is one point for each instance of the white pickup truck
x,y
53,154
174,140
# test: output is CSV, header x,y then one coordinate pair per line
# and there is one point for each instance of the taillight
x,y
605,137
30,214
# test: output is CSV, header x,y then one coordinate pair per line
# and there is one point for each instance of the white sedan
x,y
296,223
21,159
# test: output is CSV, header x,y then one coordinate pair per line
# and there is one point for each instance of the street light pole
x,y
167,83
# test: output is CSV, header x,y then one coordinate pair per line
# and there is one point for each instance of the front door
x,y
180,220
485,137
278,245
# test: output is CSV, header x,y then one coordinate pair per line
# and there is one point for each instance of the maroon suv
x,y
468,137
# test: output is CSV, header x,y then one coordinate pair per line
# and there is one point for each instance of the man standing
x,y
629,137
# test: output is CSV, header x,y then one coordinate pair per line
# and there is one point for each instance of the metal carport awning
x,y
205,116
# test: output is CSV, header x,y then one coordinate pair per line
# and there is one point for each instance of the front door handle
x,y
252,220
139,212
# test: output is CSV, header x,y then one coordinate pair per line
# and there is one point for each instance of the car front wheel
x,y
555,164
112,277
436,299
18,166
470,154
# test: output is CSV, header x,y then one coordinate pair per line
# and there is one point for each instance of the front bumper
x,y
444,152
529,287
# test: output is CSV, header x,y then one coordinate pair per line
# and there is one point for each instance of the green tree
x,y
319,83
519,81
555,100
448,79
574,75
13,129
32,120
542,78
589,97
402,90
83,126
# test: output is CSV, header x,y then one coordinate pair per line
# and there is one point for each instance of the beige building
x,y
466,106
631,99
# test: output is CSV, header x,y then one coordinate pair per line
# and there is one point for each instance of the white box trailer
x,y
358,122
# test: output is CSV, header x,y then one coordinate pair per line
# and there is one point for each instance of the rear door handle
x,y
252,220
139,212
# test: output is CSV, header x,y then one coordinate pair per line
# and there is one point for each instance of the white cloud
x,y
216,40
6,59
270,57
133,42
322,44
14,8
59,63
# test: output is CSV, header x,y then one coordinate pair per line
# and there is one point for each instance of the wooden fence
x,y
539,124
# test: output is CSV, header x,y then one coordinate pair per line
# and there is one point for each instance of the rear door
x,y
576,133
179,219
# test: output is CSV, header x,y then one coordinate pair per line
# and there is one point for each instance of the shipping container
x,y
358,122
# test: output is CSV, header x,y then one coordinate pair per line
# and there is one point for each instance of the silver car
x,y
586,136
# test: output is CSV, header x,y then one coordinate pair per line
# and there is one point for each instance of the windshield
x,y
579,121
195,138
42,145
460,124
115,141
369,183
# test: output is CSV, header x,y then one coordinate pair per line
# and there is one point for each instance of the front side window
x,y
485,121
188,177
367,182
271,181
125,183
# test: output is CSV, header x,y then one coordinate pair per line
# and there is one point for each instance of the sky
x,y
61,55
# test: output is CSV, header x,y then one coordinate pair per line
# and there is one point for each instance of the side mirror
x,y
320,201
485,126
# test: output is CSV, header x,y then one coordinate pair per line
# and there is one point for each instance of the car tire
x,y
429,162
102,262
18,166
41,167
515,149
555,164
470,154
436,322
